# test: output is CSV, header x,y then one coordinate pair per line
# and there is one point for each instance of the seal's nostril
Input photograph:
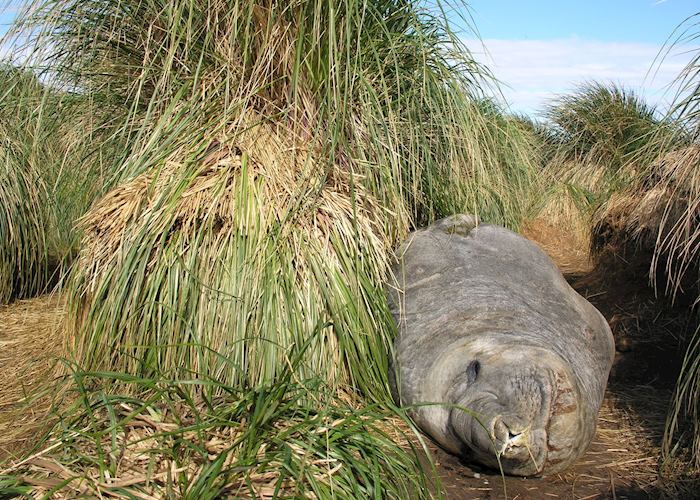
x,y
500,431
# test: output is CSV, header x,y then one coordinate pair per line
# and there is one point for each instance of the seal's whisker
x,y
532,457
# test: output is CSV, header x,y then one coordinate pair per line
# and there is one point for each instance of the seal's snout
x,y
515,442
504,434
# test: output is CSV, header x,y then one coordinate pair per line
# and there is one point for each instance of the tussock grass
x,y
657,212
232,261
604,124
23,248
271,156
23,194
245,444
596,141
51,173
76,172
611,147
678,245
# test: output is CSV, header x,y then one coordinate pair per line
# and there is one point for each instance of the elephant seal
x,y
489,329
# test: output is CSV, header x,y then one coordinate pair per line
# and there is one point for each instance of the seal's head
x,y
518,410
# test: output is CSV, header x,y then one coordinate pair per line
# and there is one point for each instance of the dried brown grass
x,y
268,155
30,340
567,245
658,216
265,236
145,473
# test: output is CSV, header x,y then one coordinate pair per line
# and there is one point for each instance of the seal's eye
x,y
473,371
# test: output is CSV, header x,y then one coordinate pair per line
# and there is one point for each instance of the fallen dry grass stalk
x,y
169,450
30,341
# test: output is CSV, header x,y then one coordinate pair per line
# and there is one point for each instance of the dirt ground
x,y
623,461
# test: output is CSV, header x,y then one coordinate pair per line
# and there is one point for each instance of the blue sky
x,y
650,21
8,10
540,49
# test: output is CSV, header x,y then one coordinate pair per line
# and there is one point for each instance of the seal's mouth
x,y
506,442
520,447
518,450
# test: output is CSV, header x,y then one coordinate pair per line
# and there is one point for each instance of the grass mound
x,y
272,155
222,261
655,216
603,124
598,141
679,241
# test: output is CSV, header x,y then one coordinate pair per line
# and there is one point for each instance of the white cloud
x,y
534,71
7,55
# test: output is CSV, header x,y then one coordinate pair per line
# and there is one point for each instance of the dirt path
x,y
622,462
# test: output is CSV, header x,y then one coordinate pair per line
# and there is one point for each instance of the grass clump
x,y
603,124
264,443
677,249
593,142
23,194
607,143
274,153
243,254
51,173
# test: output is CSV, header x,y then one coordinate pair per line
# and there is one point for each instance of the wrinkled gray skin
x,y
488,323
